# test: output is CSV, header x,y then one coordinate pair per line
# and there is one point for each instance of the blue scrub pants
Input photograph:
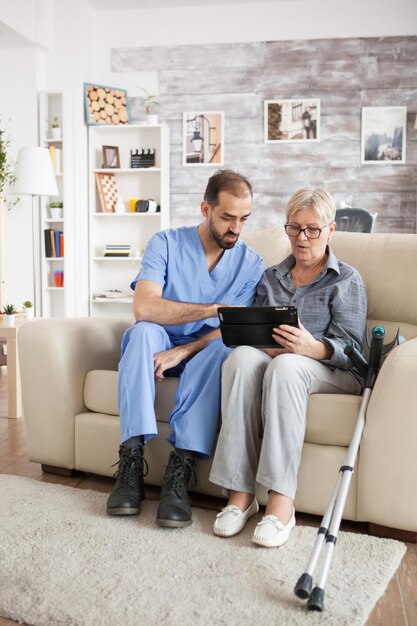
x,y
194,420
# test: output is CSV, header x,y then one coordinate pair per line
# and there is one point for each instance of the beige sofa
x,y
69,380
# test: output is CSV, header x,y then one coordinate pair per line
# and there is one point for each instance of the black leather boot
x,y
174,509
129,491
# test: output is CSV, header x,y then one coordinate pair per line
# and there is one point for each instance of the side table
x,y
14,393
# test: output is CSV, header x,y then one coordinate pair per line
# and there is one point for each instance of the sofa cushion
x,y
100,394
331,418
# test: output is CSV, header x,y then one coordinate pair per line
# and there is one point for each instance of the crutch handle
x,y
357,358
375,355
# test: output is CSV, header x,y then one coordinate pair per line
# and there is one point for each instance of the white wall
x,y
72,62
261,21
18,104
23,73
29,19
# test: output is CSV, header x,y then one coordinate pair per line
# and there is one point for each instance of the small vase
x,y
56,133
28,312
151,119
119,207
56,213
9,320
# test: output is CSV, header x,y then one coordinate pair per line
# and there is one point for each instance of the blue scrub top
x,y
175,260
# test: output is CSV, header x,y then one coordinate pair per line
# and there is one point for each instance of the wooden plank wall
x,y
345,74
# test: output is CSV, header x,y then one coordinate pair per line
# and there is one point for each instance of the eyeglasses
x,y
310,232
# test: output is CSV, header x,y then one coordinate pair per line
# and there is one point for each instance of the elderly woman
x,y
268,389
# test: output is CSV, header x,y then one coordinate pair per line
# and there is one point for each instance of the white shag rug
x,y
65,562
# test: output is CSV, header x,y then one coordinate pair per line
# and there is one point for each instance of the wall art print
x,y
203,138
383,135
291,120
105,105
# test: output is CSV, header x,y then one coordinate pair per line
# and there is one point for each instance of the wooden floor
x,y
398,606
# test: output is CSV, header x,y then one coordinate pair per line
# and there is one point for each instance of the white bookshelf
x,y
135,229
57,301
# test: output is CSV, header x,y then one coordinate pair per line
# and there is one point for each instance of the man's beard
x,y
219,239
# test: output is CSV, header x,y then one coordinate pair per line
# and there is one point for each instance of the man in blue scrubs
x,y
186,274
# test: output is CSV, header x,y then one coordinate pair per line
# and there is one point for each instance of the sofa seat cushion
x,y
100,394
331,418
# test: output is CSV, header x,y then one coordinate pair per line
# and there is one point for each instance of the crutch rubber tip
x,y
304,586
316,600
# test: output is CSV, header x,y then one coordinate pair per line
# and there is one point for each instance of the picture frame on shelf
x,y
203,138
111,157
107,191
383,135
296,120
105,105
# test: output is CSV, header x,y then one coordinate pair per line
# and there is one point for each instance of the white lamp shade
x,y
34,173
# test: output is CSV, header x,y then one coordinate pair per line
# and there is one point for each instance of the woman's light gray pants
x,y
269,395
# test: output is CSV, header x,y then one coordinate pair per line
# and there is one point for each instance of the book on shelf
x,y
52,236
57,246
56,158
48,246
116,254
58,161
52,155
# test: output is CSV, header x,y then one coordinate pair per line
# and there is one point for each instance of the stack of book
x,y
54,242
117,250
58,278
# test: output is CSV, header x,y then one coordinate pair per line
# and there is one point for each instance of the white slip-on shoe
x,y
270,532
231,520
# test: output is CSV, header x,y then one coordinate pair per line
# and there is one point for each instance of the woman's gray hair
x,y
318,200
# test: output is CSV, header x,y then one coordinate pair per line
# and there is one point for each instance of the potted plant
x,y
28,308
55,128
150,102
9,312
55,209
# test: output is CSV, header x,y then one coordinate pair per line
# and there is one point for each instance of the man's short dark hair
x,y
226,180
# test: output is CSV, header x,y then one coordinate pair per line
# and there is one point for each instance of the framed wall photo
x,y
105,105
383,135
291,120
111,157
203,138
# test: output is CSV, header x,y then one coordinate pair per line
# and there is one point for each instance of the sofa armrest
x,y
55,356
388,454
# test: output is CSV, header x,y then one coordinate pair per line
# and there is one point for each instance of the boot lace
x,y
132,467
179,473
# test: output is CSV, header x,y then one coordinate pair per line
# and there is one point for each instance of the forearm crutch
x,y
330,524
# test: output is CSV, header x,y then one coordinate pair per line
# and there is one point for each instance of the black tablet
x,y
252,325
